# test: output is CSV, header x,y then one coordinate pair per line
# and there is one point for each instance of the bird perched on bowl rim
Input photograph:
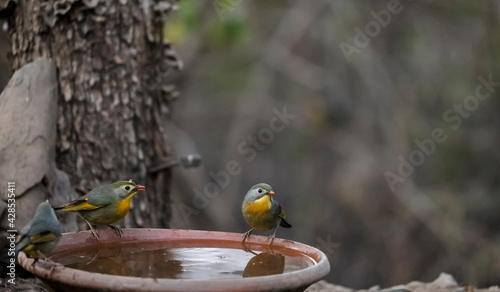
x,y
262,211
105,204
41,234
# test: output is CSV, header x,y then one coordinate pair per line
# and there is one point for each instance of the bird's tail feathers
x,y
22,243
285,224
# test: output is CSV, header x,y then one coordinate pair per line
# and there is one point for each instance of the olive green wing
x,y
279,211
95,199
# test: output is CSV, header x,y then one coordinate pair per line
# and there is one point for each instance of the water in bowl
x,y
160,260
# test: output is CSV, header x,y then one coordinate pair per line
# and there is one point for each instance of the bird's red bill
x,y
271,193
140,188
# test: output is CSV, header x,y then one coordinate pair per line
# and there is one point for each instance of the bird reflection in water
x,y
265,264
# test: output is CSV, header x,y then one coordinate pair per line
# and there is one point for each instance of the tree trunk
x,y
111,61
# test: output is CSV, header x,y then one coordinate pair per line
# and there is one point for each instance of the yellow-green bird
x,y
41,234
262,211
105,205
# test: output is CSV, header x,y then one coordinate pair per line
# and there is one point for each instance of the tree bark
x,y
112,63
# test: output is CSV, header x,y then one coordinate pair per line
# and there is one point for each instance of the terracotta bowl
x,y
62,278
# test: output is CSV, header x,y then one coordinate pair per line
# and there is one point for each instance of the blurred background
x,y
360,82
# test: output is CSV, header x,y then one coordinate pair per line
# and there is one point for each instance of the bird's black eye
x,y
260,191
127,188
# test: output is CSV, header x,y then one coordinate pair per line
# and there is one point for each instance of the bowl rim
x,y
291,280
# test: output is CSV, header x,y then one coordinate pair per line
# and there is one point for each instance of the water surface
x,y
161,260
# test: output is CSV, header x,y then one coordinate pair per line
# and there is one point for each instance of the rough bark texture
x,y
111,63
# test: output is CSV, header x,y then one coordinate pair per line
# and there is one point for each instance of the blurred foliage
x,y
182,22
229,31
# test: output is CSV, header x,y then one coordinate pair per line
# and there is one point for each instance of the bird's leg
x,y
34,262
94,257
94,232
250,251
54,264
246,235
52,268
271,237
44,257
120,251
118,230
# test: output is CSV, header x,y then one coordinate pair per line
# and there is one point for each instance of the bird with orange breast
x,y
262,211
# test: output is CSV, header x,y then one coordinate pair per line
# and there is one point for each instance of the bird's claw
x,y
246,235
118,230
95,234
